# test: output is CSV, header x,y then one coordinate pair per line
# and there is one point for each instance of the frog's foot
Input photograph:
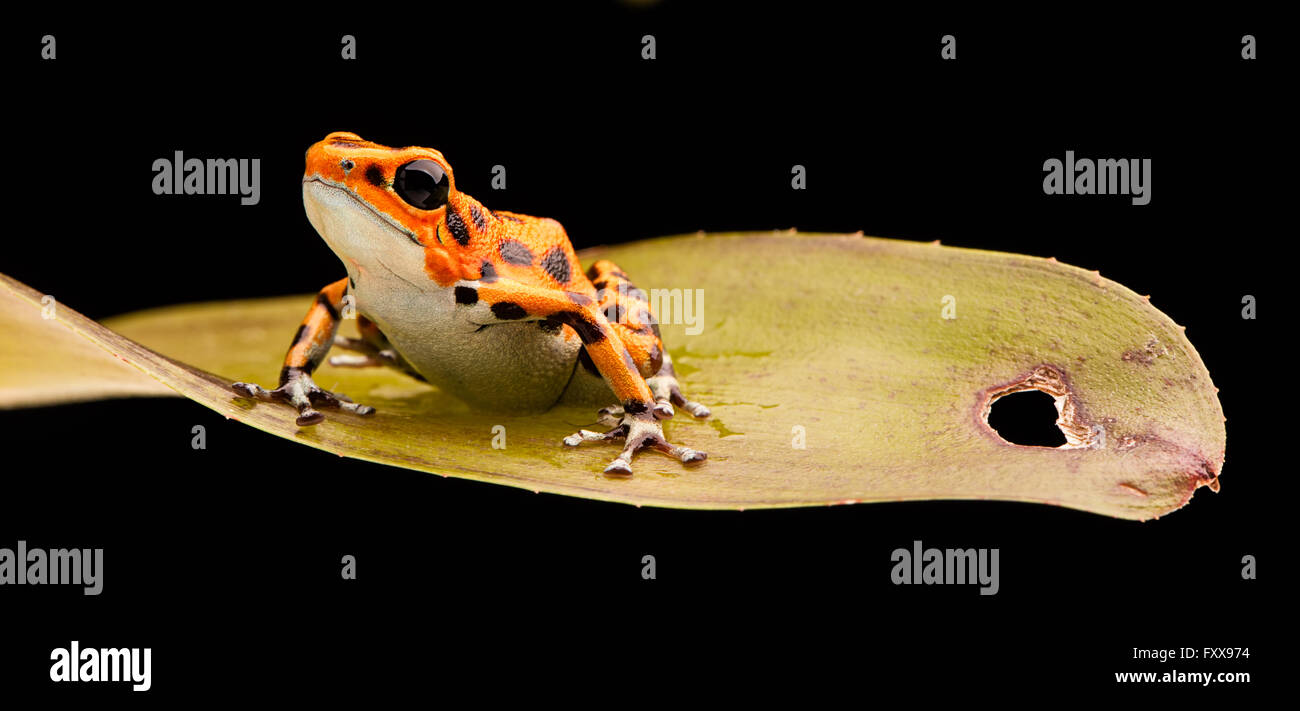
x,y
299,390
668,392
370,356
637,433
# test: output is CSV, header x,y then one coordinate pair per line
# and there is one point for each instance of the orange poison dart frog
x,y
488,305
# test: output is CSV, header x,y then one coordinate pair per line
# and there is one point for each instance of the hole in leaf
x,y
1026,418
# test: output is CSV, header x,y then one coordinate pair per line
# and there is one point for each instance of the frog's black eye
x,y
422,184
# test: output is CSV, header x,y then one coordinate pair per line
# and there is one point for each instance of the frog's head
x,y
380,207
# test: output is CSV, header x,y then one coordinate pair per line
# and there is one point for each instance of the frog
x,y
488,305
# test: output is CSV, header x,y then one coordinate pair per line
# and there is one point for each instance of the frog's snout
x,y
326,157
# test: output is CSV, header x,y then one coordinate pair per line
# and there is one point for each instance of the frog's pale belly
x,y
503,366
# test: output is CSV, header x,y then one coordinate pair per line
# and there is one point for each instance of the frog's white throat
x,y
370,245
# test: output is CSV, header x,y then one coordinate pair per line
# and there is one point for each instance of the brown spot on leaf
x,y
1147,354
1131,489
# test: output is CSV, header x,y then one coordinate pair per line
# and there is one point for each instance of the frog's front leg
x,y
310,345
638,425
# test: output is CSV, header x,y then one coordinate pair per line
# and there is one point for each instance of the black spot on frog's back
x,y
516,252
556,263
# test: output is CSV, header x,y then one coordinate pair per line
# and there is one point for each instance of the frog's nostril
x,y
347,165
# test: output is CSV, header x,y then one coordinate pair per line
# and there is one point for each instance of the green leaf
x,y
838,340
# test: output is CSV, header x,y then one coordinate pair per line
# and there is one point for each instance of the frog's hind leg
x,y
310,345
616,361
373,346
372,350
628,310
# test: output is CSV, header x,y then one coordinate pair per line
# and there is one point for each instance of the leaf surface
x,y
831,371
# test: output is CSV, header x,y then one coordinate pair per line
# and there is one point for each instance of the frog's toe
x,y
581,436
686,454
358,409
690,406
610,416
619,467
331,401
309,417
354,361
322,398
252,390
668,392
371,358
342,402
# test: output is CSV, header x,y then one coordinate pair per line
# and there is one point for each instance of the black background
x,y
226,561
